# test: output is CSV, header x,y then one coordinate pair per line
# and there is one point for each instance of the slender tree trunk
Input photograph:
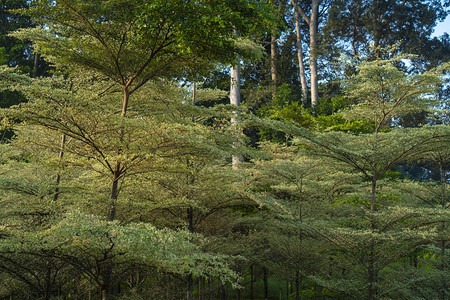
x,y
373,197
443,171
190,287
194,98
297,285
313,52
287,289
190,280
118,172
444,288
223,292
200,288
372,275
354,48
372,288
273,57
209,288
235,99
47,282
273,63
194,93
252,296
312,22
190,214
377,30
35,64
114,192
126,98
235,89
281,290
266,284
301,65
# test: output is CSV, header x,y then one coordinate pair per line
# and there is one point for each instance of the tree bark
x,y
373,197
126,98
190,287
194,93
372,288
114,192
313,53
266,284
312,22
301,65
35,64
194,98
190,279
443,171
377,30
252,296
235,99
273,63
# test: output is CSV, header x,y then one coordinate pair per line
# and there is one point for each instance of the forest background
x,y
224,149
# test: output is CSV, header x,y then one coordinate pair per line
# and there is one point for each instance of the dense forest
x,y
224,149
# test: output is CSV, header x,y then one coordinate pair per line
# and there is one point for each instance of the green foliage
x,y
382,91
118,183
142,42
357,24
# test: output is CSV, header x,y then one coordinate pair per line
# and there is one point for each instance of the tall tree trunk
x,y
266,284
312,22
301,65
114,192
354,48
118,172
287,288
235,99
443,173
194,93
273,62
126,98
190,288
313,52
35,64
252,275
373,276
376,29
273,57
374,193
190,279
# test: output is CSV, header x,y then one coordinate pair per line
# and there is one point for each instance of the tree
x,y
136,45
14,52
312,21
384,23
235,100
381,93
301,65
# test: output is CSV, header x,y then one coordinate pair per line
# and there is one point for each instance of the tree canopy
x,y
125,173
